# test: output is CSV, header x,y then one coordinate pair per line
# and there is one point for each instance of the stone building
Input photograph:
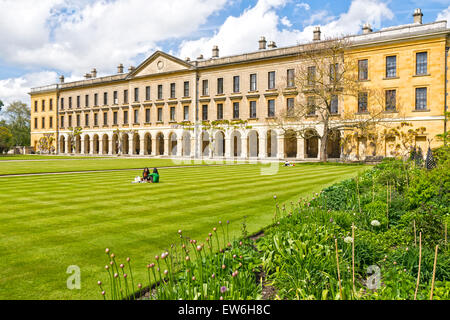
x,y
138,112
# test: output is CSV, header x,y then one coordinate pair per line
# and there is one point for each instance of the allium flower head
x,y
348,240
375,223
223,289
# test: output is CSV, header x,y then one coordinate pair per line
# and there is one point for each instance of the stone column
x,y
263,146
92,145
166,146
142,146
192,148
280,145
82,147
154,140
244,148
100,146
130,145
111,146
318,147
180,147
300,148
228,148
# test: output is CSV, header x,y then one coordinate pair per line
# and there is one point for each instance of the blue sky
x,y
43,39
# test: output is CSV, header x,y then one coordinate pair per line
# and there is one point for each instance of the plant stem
x,y
420,263
339,273
353,255
434,272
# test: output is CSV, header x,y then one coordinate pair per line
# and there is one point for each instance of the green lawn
x,y
50,222
8,157
91,164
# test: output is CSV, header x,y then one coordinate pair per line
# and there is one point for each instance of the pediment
x,y
158,63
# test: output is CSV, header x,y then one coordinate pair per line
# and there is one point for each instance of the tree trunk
x,y
324,144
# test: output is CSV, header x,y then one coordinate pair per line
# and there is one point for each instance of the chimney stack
x,y
94,73
316,34
200,57
418,15
120,68
87,76
262,43
188,59
272,45
61,79
131,69
367,28
215,52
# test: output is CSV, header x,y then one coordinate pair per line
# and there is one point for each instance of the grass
x,y
91,164
51,222
8,157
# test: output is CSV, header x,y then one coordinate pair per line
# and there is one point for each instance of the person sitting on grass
x,y
154,177
146,175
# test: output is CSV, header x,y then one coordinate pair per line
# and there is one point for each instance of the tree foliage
x,y
18,116
6,140
326,77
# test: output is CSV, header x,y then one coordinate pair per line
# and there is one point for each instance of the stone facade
x,y
147,103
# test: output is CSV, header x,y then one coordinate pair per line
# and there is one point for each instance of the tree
x,y
1,105
327,76
18,118
74,133
46,143
405,141
6,140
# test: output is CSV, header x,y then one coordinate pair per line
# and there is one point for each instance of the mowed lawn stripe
x,y
80,216
51,166
212,185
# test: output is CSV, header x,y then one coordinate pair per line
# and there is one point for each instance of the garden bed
x,y
380,235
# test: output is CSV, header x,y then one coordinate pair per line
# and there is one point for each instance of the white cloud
x,y
74,36
285,22
303,5
18,88
444,15
241,34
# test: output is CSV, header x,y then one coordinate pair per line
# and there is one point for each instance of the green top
x,y
155,177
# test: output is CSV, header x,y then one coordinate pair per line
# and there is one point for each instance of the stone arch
x,y
148,144
186,143
78,144
272,143
236,144
160,144
205,143
253,144
87,144
173,144
125,143
311,144
96,144
62,144
334,148
115,144
220,144
290,144
105,144
136,144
